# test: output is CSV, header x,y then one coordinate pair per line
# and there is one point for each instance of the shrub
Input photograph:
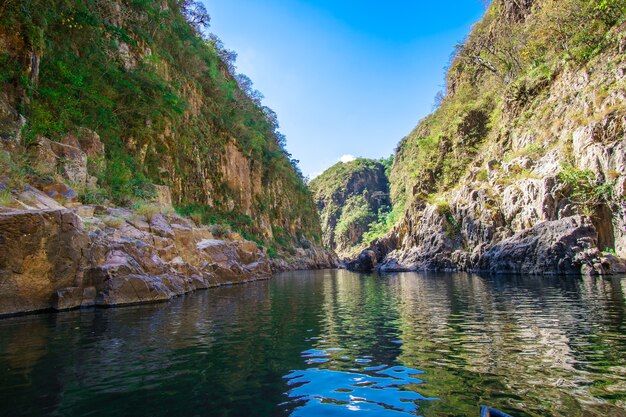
x,y
385,222
147,210
219,230
272,252
91,195
113,221
452,229
586,192
6,198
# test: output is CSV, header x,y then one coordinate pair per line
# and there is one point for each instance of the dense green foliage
x,y
585,191
336,177
355,212
163,96
350,197
504,65
384,223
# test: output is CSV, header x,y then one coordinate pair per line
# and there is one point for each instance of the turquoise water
x,y
330,343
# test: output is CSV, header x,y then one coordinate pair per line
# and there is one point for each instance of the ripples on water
x,y
372,391
330,343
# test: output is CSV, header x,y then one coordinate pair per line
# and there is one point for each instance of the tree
x,y
196,15
246,85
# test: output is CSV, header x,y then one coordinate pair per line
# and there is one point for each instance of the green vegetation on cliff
x,y
499,78
530,130
165,100
350,198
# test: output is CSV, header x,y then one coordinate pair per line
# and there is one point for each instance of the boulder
x,y
160,226
612,265
50,157
42,157
67,298
90,143
132,289
365,262
72,162
217,251
41,252
564,246
30,198
58,191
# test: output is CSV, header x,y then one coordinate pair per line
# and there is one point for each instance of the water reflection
x,y
315,343
377,391
515,343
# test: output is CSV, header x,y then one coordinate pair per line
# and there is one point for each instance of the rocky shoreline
x,y
566,246
60,259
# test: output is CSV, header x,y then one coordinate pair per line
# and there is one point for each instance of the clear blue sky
x,y
346,77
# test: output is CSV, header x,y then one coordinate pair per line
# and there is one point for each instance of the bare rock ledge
x,y
567,246
56,259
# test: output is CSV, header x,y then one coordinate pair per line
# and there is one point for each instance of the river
x,y
330,343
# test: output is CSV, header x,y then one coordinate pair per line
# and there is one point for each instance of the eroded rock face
x,y
41,252
52,259
601,147
89,142
516,10
50,157
152,260
518,182
565,246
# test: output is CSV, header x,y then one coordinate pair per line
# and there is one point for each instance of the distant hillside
x,y
350,196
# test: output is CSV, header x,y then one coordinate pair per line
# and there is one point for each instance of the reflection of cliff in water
x,y
535,338
360,314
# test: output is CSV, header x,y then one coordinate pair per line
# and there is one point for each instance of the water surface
x,y
330,343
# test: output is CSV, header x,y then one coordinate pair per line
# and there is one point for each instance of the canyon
x,y
136,164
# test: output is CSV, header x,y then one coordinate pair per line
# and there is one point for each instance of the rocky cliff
x,y
112,114
52,257
113,97
522,168
350,196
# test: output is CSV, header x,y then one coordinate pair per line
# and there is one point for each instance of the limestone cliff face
x,y
165,104
532,131
349,197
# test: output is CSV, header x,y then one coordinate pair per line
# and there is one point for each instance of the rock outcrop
x,y
365,262
41,252
136,260
565,246
112,115
92,255
303,259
